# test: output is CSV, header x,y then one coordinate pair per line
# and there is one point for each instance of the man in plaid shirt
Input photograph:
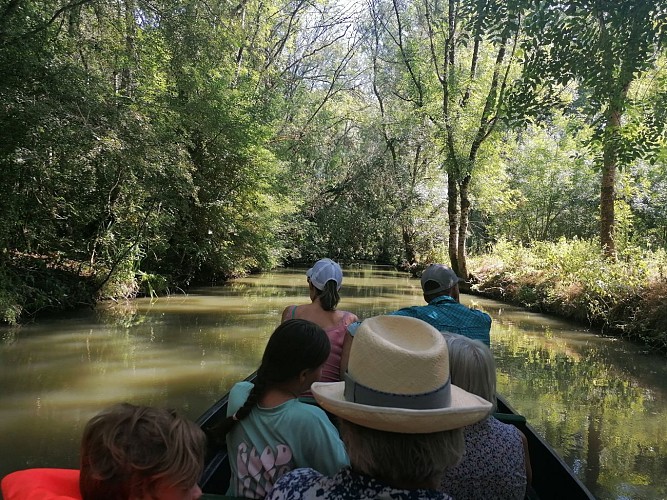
x,y
441,290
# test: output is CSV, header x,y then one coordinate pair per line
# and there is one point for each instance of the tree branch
x,y
55,16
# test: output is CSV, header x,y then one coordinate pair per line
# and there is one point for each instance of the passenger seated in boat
x,y
136,452
496,460
325,279
440,286
268,430
400,417
127,453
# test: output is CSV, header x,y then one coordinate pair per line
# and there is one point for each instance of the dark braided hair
x,y
296,345
329,297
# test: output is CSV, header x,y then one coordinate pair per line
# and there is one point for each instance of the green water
x,y
602,403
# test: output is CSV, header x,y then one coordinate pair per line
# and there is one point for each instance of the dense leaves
x,y
134,143
604,47
148,145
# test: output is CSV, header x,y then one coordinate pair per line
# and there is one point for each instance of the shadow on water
x,y
601,402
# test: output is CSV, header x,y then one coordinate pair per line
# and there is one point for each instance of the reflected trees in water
x,y
595,412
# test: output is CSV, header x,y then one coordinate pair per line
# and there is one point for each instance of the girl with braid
x,y
268,430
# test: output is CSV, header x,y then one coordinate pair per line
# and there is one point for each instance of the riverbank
x,y
571,279
33,285
41,285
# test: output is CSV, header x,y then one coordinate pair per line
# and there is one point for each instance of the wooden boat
x,y
552,478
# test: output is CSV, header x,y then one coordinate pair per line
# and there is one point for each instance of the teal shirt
x,y
447,315
272,441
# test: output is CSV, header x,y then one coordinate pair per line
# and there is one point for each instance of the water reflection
x,y
601,402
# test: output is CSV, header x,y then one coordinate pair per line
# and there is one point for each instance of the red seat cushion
x,y
41,484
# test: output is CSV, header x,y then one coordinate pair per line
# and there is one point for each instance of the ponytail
x,y
329,297
258,389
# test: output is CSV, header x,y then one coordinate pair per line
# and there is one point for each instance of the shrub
x,y
571,278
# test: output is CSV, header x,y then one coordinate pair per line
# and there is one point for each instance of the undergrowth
x,y
31,285
571,278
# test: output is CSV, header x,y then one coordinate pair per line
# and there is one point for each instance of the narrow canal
x,y
602,403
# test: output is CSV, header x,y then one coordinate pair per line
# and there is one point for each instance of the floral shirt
x,y
307,484
493,466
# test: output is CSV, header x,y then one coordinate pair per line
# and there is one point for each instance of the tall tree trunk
x,y
453,213
608,184
409,245
463,227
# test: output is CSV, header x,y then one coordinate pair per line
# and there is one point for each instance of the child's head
x,y
296,345
134,452
296,350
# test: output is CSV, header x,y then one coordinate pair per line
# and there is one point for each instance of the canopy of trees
x,y
165,142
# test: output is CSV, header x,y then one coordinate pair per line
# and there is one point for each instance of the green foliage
x,y
153,285
573,279
601,45
549,187
30,285
649,204
152,145
604,47
136,142
10,301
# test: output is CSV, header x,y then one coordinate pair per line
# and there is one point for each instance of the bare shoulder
x,y
288,312
349,317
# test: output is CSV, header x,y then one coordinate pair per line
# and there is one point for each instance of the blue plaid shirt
x,y
447,315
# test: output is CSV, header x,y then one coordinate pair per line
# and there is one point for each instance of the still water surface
x,y
602,403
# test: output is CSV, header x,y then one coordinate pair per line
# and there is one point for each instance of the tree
x,y
458,58
138,137
604,46
398,85
549,187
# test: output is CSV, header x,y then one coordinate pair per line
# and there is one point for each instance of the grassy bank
x,y
571,279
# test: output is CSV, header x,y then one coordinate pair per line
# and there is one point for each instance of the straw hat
x,y
398,381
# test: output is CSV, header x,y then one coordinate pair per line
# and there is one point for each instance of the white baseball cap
x,y
325,270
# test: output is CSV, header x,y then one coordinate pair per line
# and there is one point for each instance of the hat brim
x,y
465,409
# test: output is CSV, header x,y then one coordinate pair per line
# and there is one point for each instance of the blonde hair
x,y
126,450
396,458
472,366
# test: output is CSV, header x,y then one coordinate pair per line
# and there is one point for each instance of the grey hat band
x,y
359,393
